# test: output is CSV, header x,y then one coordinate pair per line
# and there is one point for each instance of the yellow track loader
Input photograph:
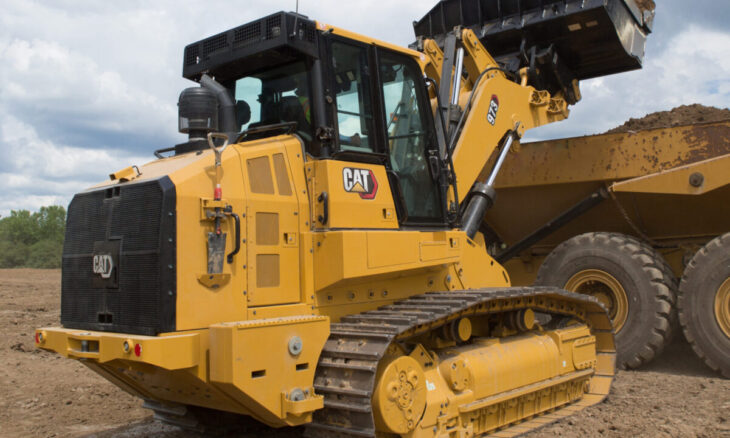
x,y
312,255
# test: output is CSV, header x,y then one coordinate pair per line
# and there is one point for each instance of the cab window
x,y
353,98
276,95
406,134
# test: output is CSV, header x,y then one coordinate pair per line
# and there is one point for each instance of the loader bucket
x,y
592,37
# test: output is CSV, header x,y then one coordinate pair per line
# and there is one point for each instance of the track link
x,y
346,372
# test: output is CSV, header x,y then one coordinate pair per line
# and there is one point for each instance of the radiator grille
x,y
138,221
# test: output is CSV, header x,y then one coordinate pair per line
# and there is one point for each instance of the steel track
x,y
346,372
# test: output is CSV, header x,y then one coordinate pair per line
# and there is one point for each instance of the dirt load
x,y
44,395
679,116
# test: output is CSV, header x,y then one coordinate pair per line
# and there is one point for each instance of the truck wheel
x,y
673,282
704,304
629,277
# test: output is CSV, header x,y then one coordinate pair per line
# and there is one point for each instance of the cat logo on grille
x,y
103,265
360,181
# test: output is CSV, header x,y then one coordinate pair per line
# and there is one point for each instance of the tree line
x,y
32,240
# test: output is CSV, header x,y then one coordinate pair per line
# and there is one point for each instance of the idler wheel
x,y
400,396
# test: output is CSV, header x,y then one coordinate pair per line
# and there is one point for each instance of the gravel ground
x,y
43,395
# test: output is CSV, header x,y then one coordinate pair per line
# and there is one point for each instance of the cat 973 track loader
x,y
312,256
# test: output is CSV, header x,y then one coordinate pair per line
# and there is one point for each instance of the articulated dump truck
x,y
621,217
311,255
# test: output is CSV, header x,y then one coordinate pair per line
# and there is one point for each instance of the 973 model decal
x,y
360,181
493,108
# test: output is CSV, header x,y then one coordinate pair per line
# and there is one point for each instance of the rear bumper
x,y
244,367
170,352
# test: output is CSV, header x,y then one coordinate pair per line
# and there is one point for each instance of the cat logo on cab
x,y
360,181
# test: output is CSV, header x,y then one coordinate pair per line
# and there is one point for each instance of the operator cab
x,y
346,99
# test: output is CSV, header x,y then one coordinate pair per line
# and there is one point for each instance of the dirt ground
x,y
679,116
43,395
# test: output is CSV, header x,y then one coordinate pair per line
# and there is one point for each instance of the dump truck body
x,y
648,172
667,187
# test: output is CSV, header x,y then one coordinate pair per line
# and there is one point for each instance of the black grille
x,y
212,45
192,55
273,27
231,54
135,222
248,34
309,33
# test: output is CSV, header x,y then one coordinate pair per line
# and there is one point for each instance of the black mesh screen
x,y
192,55
133,225
211,45
238,51
246,35
273,27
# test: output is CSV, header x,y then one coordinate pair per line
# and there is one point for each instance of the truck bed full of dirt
x,y
679,116
44,395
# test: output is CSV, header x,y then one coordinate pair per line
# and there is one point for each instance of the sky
x,y
89,87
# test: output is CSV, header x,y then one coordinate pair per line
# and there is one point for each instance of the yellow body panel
x,y
475,389
347,209
714,173
199,306
253,361
276,212
172,352
171,367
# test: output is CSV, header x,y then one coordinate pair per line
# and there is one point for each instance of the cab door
x,y
409,137
383,126
351,189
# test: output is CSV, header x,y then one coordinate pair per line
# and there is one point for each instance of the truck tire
x,y
630,278
673,282
704,304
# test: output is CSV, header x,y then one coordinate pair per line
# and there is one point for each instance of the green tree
x,y
51,223
19,227
13,255
32,239
45,254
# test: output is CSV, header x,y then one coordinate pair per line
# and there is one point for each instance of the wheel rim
x,y
604,287
722,307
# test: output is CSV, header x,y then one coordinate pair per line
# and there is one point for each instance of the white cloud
x,y
40,172
69,90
